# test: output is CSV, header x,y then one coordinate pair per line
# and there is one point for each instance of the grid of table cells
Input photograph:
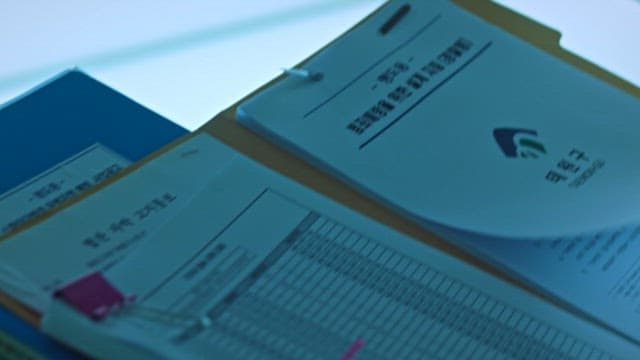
x,y
326,291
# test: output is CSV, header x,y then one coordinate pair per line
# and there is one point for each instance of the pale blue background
x,y
188,60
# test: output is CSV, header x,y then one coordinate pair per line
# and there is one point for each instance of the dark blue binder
x,y
67,115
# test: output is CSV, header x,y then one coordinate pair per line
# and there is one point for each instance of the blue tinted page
x,y
481,138
271,270
101,229
453,121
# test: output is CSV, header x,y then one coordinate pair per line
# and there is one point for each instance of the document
x,y
58,184
596,273
270,270
101,229
453,121
481,138
60,139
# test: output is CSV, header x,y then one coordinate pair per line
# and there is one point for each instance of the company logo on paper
x,y
521,143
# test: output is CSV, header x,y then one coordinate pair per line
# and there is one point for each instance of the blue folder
x,y
56,121
68,114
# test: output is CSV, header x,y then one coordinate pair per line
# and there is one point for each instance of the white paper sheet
x,y
596,273
58,184
259,267
98,231
454,121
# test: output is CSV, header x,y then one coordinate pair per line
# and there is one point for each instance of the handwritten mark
x,y
189,153
394,19
353,350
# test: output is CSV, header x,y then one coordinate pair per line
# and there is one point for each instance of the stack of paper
x,y
257,266
478,136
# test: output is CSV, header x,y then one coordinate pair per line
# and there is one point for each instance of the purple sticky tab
x,y
92,295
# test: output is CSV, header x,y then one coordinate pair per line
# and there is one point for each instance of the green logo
x,y
521,143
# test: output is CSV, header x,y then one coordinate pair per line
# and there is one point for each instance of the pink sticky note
x,y
92,295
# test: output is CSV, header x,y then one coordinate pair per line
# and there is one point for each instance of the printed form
x,y
98,231
58,184
455,110
270,270
482,138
